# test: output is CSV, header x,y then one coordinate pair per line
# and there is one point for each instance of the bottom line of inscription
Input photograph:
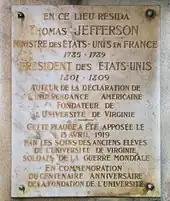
x,y
56,184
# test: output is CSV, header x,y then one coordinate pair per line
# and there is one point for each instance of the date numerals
x,y
72,54
97,54
79,54
99,78
69,77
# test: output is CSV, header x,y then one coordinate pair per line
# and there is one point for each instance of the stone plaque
x,y
85,101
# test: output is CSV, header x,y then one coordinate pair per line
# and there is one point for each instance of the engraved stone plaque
x,y
85,101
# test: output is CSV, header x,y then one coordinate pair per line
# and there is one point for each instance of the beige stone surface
x,y
5,96
145,108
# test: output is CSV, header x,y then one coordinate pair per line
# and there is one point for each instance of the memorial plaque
x,y
85,101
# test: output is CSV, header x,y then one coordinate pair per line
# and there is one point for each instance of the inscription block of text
x,y
85,101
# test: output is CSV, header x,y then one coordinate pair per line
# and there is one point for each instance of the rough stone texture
x,y
5,93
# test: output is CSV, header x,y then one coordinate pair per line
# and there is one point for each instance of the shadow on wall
x,y
75,2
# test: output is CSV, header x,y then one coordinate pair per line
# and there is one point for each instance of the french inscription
x,y
85,101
